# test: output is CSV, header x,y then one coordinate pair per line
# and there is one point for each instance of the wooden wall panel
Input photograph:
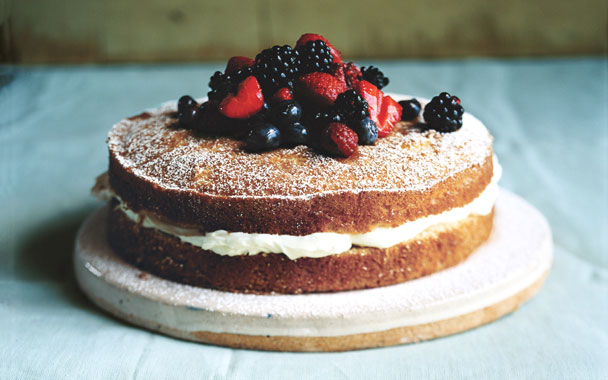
x,y
65,31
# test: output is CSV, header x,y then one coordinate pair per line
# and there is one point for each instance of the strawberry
x,y
237,63
282,94
383,110
389,115
320,88
247,101
306,37
339,139
373,96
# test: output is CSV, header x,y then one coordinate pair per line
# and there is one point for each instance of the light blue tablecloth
x,y
549,119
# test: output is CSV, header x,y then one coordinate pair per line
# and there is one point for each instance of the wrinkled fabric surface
x,y
549,119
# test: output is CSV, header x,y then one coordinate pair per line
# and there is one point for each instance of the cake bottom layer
x,y
164,255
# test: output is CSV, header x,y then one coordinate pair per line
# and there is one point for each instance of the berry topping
x,y
282,94
339,140
315,57
287,113
294,134
411,109
321,89
277,67
367,131
444,113
263,137
245,103
299,95
352,106
374,75
184,102
307,37
238,63
389,115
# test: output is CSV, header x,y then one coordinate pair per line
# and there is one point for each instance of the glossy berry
x,y
294,134
411,109
320,89
277,67
286,113
315,56
352,106
263,137
444,113
366,130
188,117
338,139
375,76
184,102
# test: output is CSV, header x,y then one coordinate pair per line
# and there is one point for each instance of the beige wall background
x,y
79,31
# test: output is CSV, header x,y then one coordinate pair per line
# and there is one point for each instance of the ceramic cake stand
x,y
497,278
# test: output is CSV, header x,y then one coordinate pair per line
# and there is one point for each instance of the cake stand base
x,y
502,274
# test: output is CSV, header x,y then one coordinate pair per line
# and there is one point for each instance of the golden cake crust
x,y
211,183
436,248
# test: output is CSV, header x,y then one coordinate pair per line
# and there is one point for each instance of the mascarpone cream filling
x,y
319,244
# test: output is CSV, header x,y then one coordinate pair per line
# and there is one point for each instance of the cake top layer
x,y
154,149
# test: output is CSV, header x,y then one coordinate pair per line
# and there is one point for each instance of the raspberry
x,y
321,89
352,106
315,57
277,67
339,140
374,76
444,113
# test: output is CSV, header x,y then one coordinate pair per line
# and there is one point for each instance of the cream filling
x,y
319,244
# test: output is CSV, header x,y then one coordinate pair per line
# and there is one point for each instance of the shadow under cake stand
x,y
502,274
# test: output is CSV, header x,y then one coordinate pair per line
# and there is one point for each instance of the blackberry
x,y
411,109
316,57
367,130
221,84
263,137
352,106
444,113
374,76
277,67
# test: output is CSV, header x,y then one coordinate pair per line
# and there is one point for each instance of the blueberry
x,y
260,117
189,117
367,130
411,109
263,137
184,102
295,134
322,119
287,112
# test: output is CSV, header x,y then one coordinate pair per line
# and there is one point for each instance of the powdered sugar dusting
x,y
407,160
